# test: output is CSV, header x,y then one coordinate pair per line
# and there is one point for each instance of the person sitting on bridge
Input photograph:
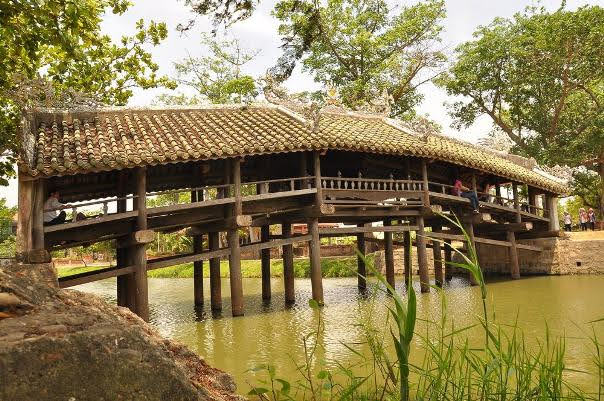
x,y
460,190
52,215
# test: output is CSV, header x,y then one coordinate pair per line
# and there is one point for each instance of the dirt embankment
x,y
66,345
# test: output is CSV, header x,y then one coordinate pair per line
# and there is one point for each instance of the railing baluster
x,y
105,208
291,185
74,214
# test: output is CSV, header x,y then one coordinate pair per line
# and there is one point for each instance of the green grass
x,y
330,266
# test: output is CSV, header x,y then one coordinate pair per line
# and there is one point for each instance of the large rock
x,y
66,345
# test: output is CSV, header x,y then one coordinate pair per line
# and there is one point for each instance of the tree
x,y
217,77
54,54
364,48
540,77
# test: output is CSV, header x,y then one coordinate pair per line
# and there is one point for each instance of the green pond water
x,y
271,332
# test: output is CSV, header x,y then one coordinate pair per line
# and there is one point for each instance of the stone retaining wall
x,y
559,256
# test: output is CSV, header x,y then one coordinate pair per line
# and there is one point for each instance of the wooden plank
x,y
365,229
181,207
91,222
179,259
529,247
225,224
96,275
276,243
542,234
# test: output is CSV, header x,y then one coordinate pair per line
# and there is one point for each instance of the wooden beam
x,y
276,243
265,260
198,272
140,237
407,257
315,260
388,254
542,234
288,265
188,258
215,284
365,229
421,256
317,172
95,275
25,214
225,224
448,259
361,268
91,222
426,189
513,252
438,261
38,214
138,251
516,202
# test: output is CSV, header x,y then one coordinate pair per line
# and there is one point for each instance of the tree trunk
x,y
601,171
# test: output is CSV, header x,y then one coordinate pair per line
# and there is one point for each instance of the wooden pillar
x,y
408,261
303,170
24,210
215,289
389,255
469,227
438,260
516,202
38,214
265,262
425,183
361,268
448,258
198,271
317,172
551,205
288,265
138,252
233,239
315,261
514,265
197,265
422,258
474,184
125,283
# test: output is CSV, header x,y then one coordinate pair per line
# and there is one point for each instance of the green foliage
x,y
364,49
216,77
8,246
53,53
540,77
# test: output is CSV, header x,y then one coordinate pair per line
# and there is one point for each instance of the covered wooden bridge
x,y
228,167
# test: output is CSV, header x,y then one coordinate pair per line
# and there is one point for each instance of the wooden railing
x,y
488,197
371,184
104,203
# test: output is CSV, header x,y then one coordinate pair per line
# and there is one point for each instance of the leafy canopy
x,y
539,76
363,48
53,53
217,76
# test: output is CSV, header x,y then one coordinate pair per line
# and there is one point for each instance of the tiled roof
x,y
80,142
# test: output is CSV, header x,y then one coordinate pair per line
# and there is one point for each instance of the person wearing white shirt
x,y
52,217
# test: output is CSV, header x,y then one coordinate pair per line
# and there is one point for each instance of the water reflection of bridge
x,y
267,167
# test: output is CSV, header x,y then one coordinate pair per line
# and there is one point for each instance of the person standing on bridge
x,y
460,190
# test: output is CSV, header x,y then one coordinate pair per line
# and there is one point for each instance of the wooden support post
x,y
198,271
125,282
514,265
422,258
38,214
139,255
448,258
407,256
233,239
438,260
288,265
551,205
474,184
316,277
361,268
303,170
317,172
516,202
215,289
25,214
389,255
469,227
265,262
425,183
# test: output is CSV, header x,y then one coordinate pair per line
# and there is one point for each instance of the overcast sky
x,y
260,32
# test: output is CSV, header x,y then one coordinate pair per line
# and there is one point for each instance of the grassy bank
x,y
331,267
